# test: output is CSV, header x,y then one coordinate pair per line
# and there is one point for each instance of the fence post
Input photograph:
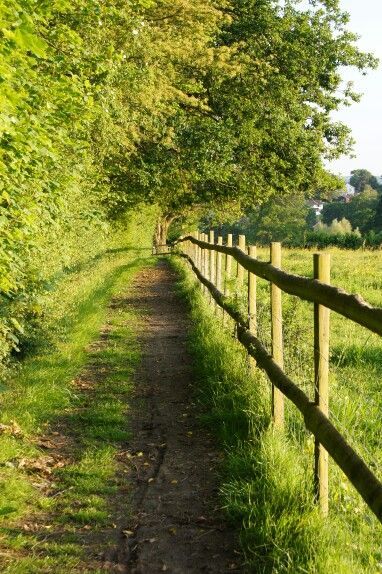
x,y
212,258
252,307
228,266
193,247
206,260
321,264
202,261
219,265
277,337
240,269
197,248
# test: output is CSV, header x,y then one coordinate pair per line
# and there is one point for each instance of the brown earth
x,y
176,523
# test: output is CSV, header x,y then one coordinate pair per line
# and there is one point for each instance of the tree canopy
x,y
360,178
183,104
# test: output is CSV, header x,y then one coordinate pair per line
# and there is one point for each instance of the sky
x,y
364,118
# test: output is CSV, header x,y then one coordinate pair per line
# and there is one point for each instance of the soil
x,y
177,525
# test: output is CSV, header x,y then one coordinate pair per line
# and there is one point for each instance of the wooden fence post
x,y
277,337
202,262
212,258
252,306
240,269
206,259
228,266
321,263
197,263
219,265
193,248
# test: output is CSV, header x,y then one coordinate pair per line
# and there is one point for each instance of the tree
x,y
283,219
184,104
362,209
340,227
360,178
334,210
247,122
377,222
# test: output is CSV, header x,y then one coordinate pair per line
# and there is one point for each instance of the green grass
x,y
267,479
42,395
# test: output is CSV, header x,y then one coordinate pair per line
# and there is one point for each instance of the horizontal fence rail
x,y
315,417
351,306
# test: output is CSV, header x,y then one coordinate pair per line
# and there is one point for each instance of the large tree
x,y
360,178
254,84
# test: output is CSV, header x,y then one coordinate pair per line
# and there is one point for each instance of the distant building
x,y
350,190
316,205
345,197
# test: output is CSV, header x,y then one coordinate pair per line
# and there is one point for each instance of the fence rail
x,y
351,306
328,438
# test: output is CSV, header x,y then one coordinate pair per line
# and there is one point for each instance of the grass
x,y
73,387
267,479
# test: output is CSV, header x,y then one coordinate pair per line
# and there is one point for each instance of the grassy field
x,y
268,486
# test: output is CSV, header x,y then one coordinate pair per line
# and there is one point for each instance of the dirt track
x,y
177,526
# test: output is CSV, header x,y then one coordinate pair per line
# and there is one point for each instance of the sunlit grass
x,y
267,486
42,390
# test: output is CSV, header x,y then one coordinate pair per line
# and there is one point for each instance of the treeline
x,y
182,104
347,220
350,221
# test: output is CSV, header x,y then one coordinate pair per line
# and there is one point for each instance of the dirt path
x,y
163,515
177,526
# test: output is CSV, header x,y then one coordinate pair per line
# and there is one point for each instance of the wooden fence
x,y
205,258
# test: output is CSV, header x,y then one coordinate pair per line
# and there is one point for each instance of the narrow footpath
x,y
177,526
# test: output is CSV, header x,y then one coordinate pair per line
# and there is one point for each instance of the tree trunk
x,y
161,231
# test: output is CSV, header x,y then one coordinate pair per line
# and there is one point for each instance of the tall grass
x,y
268,475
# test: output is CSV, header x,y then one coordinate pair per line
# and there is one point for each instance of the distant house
x,y
350,190
316,205
345,197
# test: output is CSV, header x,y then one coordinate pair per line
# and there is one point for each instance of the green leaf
x,y
17,325
28,40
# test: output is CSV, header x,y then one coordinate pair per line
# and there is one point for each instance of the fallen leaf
x,y
127,533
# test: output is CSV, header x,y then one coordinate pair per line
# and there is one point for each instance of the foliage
x,y
62,61
336,227
321,238
360,210
181,104
360,178
248,122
